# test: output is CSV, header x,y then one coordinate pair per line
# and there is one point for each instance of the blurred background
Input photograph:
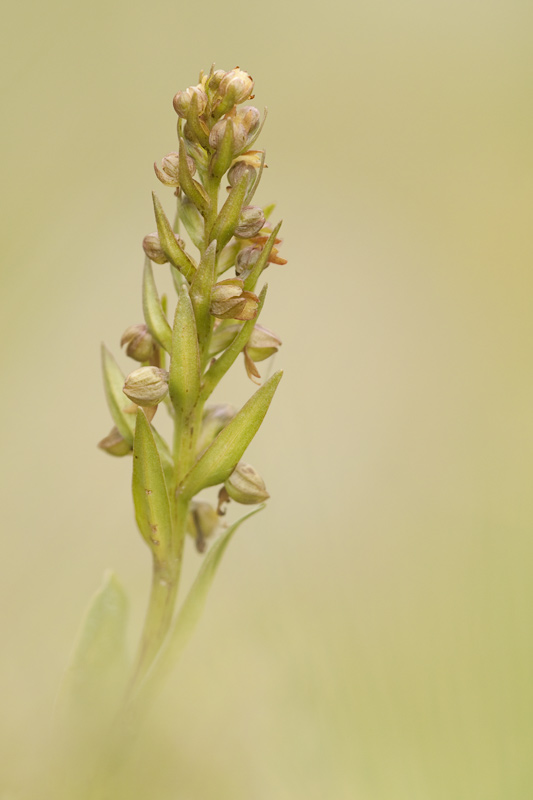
x,y
369,635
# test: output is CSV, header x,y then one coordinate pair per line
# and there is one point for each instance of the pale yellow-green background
x,y
369,636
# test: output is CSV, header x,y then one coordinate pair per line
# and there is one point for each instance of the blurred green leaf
x,y
191,610
94,681
150,495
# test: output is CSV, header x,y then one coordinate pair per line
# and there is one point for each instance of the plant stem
x,y
165,580
166,574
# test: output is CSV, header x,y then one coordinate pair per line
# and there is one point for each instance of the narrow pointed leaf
x,y
253,277
153,313
190,612
223,155
253,188
228,357
95,677
177,257
116,399
228,218
184,370
150,495
165,456
199,130
200,293
194,191
257,134
221,457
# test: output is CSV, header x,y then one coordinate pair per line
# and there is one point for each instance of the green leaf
x,y
192,221
184,370
228,218
177,257
199,130
223,155
200,293
228,357
257,134
194,190
95,678
217,463
116,399
167,462
153,313
150,495
253,188
191,610
253,277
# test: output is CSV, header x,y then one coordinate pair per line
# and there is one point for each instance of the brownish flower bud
x,y
237,170
182,100
246,259
168,173
154,251
140,345
251,221
114,444
245,485
249,117
237,84
202,523
230,301
217,134
146,386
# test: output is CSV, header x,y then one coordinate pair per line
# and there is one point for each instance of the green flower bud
x,y
251,221
140,343
146,386
230,301
262,343
154,251
182,100
245,485
114,444
202,523
214,419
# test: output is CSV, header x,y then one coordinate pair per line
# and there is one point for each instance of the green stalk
x,y
166,574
